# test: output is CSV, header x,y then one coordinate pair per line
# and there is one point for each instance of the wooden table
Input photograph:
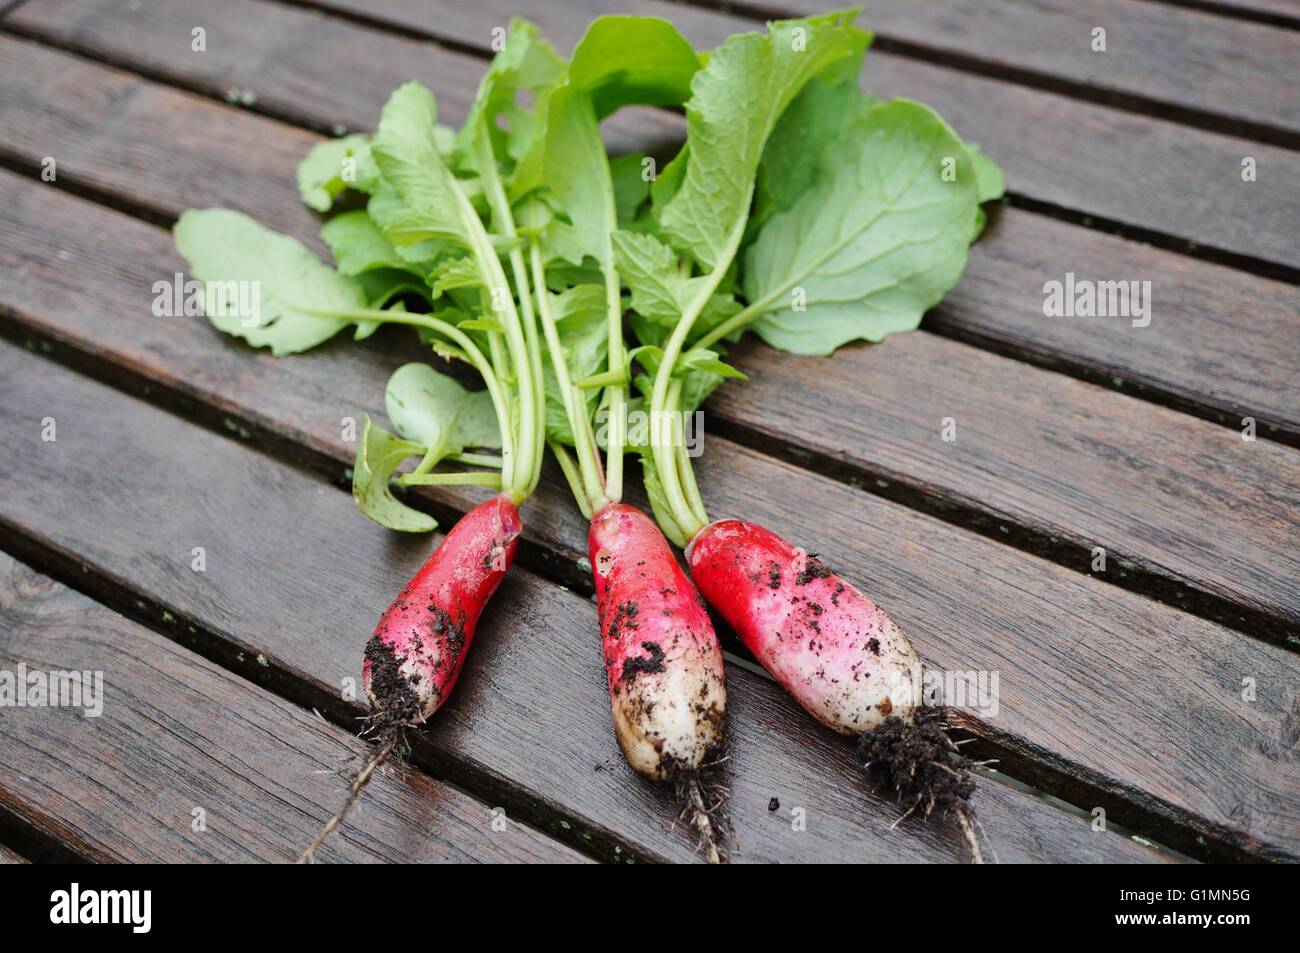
x,y
1162,690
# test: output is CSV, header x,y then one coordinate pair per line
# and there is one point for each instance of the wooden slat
x,y
1231,72
968,602
130,154
282,60
178,734
1183,184
1277,12
294,579
1221,343
7,856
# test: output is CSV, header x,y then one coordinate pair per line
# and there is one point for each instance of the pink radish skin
x,y
831,647
415,655
662,657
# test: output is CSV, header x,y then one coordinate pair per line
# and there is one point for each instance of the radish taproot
x,y
840,656
415,655
662,659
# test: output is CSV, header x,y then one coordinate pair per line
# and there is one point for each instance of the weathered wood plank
x,y
969,603
1179,182
295,577
1230,72
1221,343
7,856
284,60
179,735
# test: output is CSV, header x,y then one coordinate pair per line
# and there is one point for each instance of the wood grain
x,y
7,856
1221,343
1229,72
178,734
282,60
294,578
966,601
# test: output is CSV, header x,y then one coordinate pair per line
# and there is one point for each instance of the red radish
x,y
837,653
662,658
416,653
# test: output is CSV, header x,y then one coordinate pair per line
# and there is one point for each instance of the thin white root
x,y
971,840
363,777
703,826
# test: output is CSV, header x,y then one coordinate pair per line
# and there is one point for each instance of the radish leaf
x,y
434,411
875,238
256,281
379,454
327,171
735,103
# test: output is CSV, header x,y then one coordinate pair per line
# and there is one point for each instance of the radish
x,y
841,657
413,659
415,655
662,658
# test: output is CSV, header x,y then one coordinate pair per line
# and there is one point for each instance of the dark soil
x,y
921,764
396,704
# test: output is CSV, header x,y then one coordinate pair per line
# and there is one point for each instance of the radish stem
x,y
472,478
660,443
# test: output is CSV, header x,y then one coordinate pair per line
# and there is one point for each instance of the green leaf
x,y
409,161
437,413
256,281
359,246
627,59
631,187
454,273
702,359
988,175
736,101
333,166
876,238
581,325
813,123
379,454
660,287
526,64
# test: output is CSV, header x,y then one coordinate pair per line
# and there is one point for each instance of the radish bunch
x,y
580,289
